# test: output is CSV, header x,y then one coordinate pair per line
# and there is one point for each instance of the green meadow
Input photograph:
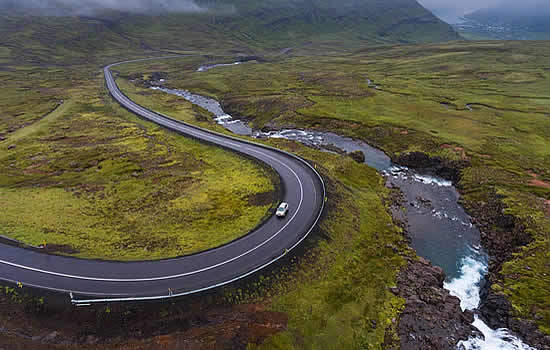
x,y
484,103
81,176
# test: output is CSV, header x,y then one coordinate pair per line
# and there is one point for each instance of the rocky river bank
x,y
435,219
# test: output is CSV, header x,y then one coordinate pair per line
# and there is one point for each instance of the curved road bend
x,y
99,281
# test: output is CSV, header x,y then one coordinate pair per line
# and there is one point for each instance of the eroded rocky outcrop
x,y
423,163
432,318
502,235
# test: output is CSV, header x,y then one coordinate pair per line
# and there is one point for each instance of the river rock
x,y
157,76
502,235
421,162
51,338
432,318
531,333
357,156
251,58
91,340
495,309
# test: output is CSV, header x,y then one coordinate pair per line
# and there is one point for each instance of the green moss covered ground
x,y
338,295
481,102
81,176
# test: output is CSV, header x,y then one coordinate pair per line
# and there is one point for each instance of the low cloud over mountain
x,y
87,7
451,10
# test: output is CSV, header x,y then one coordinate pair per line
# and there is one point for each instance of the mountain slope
x,y
346,22
241,25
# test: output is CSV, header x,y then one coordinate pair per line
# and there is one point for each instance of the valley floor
x,y
480,108
81,176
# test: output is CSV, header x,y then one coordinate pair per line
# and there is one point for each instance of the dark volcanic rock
x,y
357,156
530,333
156,76
502,235
252,58
495,309
421,162
432,318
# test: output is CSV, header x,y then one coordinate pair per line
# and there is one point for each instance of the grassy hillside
x,y
237,25
352,22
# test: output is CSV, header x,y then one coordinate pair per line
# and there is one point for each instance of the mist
x,y
91,7
451,10
524,7
448,10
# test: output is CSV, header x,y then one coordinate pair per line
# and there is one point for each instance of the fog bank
x,y
90,7
451,10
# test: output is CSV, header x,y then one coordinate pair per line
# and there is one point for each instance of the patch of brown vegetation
x,y
91,188
487,75
261,199
159,67
144,93
458,150
546,203
462,153
486,156
539,183
535,182
180,325
35,169
59,249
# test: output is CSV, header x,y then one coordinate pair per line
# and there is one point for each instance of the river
x,y
439,228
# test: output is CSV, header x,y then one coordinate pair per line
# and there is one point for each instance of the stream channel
x,y
439,228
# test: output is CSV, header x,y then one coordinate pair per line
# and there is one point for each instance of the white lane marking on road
x,y
187,273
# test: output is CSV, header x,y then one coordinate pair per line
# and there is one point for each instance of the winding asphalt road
x,y
90,281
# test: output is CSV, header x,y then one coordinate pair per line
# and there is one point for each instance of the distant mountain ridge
x,y
229,24
375,20
525,20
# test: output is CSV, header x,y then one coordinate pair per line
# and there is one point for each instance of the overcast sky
x,y
78,7
448,10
